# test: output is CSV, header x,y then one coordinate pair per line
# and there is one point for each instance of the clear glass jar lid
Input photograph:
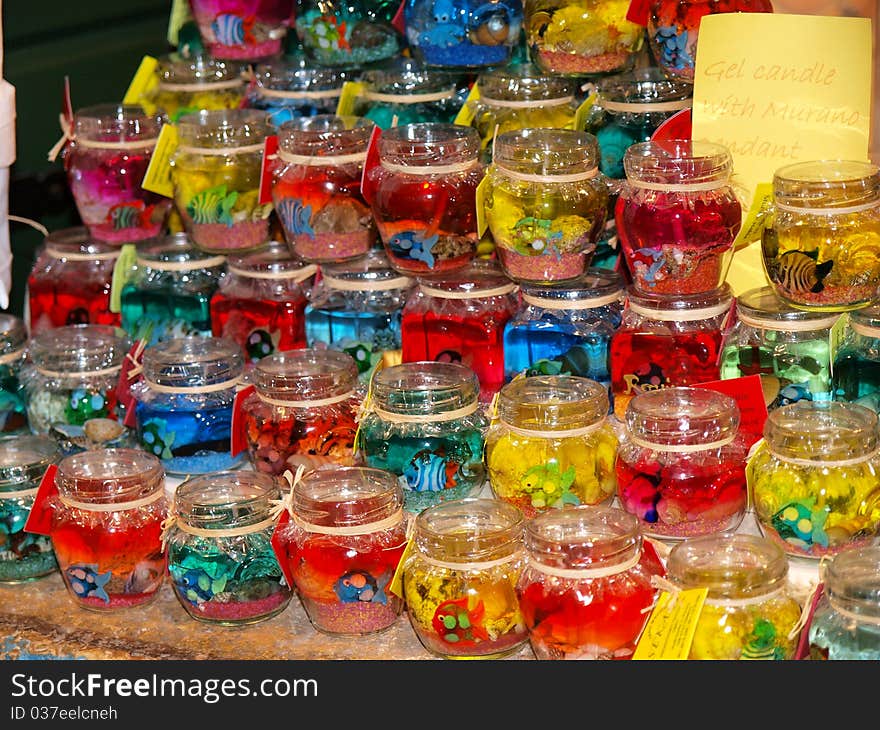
x,y
547,152
595,288
176,252
109,476
24,460
306,374
193,363
822,431
866,321
347,496
296,77
226,500
523,82
13,336
584,537
77,244
550,403
852,581
681,307
478,280
274,262
372,272
763,309
682,418
114,123
429,144
325,135
832,185
643,91
238,130
678,163
194,73
79,349
405,77
738,566
425,388
470,530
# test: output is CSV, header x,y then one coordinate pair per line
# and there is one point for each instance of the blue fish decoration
x,y
296,217
411,244
429,472
232,30
85,580
358,586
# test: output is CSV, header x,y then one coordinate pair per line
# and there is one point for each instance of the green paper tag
x,y
122,270
835,337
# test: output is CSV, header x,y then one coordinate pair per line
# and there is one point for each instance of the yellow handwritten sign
x,y
670,630
777,89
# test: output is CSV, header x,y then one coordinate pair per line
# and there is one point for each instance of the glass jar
x,y
189,84
70,377
70,281
221,562
550,445
215,173
13,397
303,411
821,248
748,612
461,319
667,340
316,186
424,196
520,96
293,87
460,579
168,292
855,373
24,556
681,466
466,34
674,27
184,403
260,303
586,590
424,424
566,328
246,30
581,37
789,348
545,204
348,34
677,216
406,90
815,478
356,307
846,623
106,161
106,527
345,538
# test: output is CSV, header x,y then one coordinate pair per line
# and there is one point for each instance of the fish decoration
x,y
799,272
493,25
197,586
296,217
801,525
328,32
156,439
260,343
130,215
233,30
547,486
456,623
86,581
358,586
544,366
143,579
212,206
762,643
533,237
792,393
429,471
412,245
83,405
362,354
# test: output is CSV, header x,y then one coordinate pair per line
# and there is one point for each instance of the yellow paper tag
x,y
122,271
351,90
157,179
670,630
482,223
583,111
180,14
465,116
835,337
756,218
396,584
143,82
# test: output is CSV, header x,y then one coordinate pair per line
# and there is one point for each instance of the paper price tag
x,y
396,584
583,111
751,398
279,547
143,82
368,183
669,633
270,148
180,14
123,270
351,90
678,126
238,435
638,12
465,116
39,519
157,179
399,20
836,336
482,223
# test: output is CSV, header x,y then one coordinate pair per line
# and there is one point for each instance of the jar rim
x,y
110,122
647,86
199,68
271,261
295,74
762,307
425,388
346,496
826,185
24,459
227,499
372,272
522,81
109,476
326,135
76,240
469,530
477,281
76,349
852,580
305,374
822,431
547,403
546,151
420,144
677,162
177,248
193,362
686,307
595,283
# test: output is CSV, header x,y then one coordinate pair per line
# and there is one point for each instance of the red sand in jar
x,y
570,63
69,301
545,267
248,321
220,238
832,297
241,610
684,499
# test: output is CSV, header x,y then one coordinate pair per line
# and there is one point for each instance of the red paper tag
x,y
678,126
398,22
238,440
638,12
39,520
749,396
270,147
123,385
368,185
803,647
279,547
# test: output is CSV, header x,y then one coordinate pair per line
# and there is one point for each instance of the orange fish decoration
x,y
457,624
